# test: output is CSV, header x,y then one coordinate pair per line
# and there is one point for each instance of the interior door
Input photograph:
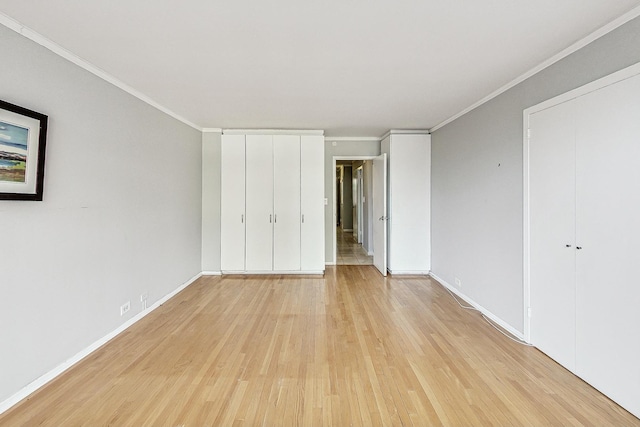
x,y
259,203
380,213
552,230
232,214
286,202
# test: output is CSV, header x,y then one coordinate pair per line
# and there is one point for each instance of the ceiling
x,y
350,67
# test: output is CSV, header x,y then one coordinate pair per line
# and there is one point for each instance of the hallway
x,y
349,251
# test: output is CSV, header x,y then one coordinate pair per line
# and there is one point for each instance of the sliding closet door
x,y
608,231
259,211
552,230
286,184
232,215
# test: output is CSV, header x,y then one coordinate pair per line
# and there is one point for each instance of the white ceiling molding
x,y
633,13
352,138
59,50
406,132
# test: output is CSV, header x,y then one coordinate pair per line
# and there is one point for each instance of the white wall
x,y
477,178
341,148
121,214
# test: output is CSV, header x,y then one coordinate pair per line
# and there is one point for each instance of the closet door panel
x,y
552,231
232,233
608,231
259,203
312,203
286,184
409,203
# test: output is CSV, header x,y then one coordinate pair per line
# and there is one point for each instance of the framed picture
x,y
23,137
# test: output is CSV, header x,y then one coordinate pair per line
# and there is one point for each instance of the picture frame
x,y
23,138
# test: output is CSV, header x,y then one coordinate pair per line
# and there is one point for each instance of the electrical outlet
x,y
125,307
458,282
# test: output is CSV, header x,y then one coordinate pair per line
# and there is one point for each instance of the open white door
x,y
380,213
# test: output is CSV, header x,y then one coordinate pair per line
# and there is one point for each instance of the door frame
x,y
359,205
334,213
613,78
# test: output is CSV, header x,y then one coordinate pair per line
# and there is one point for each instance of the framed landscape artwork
x,y
23,136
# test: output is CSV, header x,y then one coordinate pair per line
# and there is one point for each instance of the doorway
x,y
353,236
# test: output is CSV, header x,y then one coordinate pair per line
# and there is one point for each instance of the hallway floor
x,y
349,251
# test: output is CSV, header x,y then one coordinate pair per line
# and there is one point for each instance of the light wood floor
x,y
351,348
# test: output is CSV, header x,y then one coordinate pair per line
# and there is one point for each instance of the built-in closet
x,y
272,202
582,228
409,201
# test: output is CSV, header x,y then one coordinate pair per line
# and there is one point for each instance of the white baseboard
x,y
212,273
348,230
270,272
44,379
330,263
498,321
409,272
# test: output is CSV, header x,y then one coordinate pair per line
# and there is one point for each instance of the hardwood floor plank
x,y
349,348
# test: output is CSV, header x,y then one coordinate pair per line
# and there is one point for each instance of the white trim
x,y
60,51
409,272
633,13
605,81
406,132
526,230
330,263
211,130
354,158
212,273
348,230
271,132
272,272
498,321
47,377
352,138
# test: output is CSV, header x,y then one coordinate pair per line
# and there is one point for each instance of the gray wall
x,y
342,148
477,173
211,199
121,214
347,198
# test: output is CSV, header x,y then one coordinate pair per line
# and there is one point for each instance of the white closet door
x,y
286,201
409,203
608,231
259,203
380,213
312,203
232,233
552,230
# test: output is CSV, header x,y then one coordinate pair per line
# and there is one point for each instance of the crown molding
x,y
352,138
32,35
633,13
406,132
